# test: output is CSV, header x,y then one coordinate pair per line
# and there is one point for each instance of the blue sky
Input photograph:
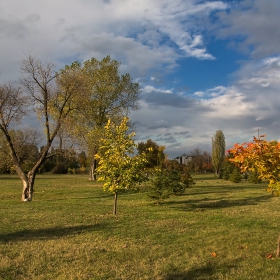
x,y
202,65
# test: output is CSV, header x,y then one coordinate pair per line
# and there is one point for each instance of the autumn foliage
x,y
118,167
259,156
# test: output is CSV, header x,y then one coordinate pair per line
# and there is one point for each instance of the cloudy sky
x,y
202,65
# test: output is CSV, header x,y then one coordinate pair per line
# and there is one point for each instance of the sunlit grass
x,y
217,230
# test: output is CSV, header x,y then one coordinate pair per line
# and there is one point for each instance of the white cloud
x,y
149,89
255,25
199,93
141,33
238,110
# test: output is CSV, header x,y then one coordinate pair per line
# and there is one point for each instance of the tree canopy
x,y
261,157
107,94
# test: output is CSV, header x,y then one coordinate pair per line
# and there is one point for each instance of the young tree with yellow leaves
x,y
118,167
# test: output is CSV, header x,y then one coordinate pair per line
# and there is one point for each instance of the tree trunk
x,y
278,247
115,204
217,172
92,171
28,186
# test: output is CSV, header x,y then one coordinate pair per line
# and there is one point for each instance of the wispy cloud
x,y
253,26
143,35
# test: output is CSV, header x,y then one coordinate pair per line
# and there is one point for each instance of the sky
x,y
202,66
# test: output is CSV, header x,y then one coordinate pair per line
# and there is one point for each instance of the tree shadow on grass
x,y
207,271
3,177
49,233
207,203
219,190
80,197
208,177
225,188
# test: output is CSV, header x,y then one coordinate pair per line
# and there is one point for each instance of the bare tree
x,y
51,94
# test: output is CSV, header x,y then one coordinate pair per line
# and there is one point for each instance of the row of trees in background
x,y
62,161
200,162
57,162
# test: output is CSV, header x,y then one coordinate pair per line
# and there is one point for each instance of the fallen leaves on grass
x,y
269,256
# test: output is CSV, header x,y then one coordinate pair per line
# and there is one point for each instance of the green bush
x,y
235,176
160,185
165,182
175,184
186,179
253,177
227,170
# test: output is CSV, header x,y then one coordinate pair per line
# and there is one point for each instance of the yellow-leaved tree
x,y
119,167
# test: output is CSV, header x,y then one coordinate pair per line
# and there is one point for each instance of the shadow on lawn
x,y
49,233
207,203
207,271
222,188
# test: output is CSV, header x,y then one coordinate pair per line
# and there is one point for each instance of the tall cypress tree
x,y
218,150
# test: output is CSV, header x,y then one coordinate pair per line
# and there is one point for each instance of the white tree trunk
x,y
92,171
28,187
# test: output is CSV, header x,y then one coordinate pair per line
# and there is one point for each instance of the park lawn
x,y
216,230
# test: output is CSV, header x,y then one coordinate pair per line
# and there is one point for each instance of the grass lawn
x,y
217,230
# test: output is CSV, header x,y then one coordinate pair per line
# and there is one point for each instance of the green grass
x,y
68,232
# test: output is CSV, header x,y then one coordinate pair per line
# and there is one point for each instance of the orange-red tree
x,y
260,156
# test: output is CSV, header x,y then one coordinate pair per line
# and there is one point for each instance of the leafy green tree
x,y
218,151
118,167
107,95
